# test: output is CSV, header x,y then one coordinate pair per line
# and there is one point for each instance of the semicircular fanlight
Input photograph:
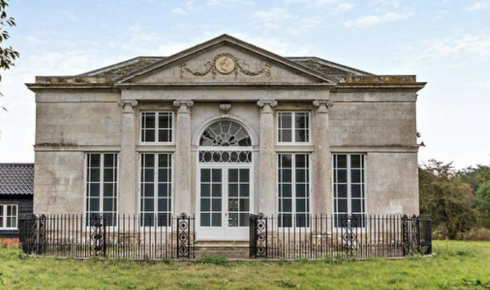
x,y
225,134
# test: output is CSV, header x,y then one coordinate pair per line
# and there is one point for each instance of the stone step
x,y
220,248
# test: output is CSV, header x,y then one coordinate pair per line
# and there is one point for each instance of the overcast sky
x,y
444,42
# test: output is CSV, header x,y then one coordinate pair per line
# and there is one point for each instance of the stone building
x,y
222,130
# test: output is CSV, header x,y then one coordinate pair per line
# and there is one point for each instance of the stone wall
x,y
380,124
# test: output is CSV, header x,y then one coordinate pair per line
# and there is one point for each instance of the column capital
x,y
187,103
128,106
269,103
266,106
322,106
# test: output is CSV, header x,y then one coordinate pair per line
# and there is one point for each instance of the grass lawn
x,y
457,265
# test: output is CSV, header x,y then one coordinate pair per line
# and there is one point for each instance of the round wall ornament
x,y
225,64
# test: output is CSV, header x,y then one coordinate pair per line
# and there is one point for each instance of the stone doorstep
x,y
222,248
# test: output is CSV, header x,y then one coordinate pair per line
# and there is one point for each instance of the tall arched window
x,y
222,135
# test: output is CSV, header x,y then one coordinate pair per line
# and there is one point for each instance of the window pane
x,y
164,120
109,189
163,204
233,175
216,175
216,220
148,120
244,204
355,176
164,136
285,120
205,190
205,204
233,204
301,120
163,190
216,205
286,135
94,160
356,191
95,175
244,175
216,190
355,161
163,175
244,219
342,176
205,175
205,219
244,190
341,161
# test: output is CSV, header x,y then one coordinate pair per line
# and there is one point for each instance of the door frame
x,y
222,234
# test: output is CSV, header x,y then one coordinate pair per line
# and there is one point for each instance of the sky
x,y
444,42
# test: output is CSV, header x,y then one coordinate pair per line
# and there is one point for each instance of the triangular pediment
x,y
225,60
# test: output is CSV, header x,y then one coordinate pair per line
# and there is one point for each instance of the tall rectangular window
x,y
101,186
156,127
294,189
8,216
349,188
293,127
156,189
211,197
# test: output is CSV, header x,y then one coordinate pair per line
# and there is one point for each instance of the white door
x,y
224,202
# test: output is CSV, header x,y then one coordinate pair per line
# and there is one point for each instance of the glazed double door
x,y
224,203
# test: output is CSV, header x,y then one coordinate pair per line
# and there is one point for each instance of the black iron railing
x,y
323,236
136,237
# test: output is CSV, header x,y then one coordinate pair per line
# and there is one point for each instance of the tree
x,y
7,54
482,202
475,175
446,199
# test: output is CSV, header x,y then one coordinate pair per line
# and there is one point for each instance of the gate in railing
x,y
137,237
322,236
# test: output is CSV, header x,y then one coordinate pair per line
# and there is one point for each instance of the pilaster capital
x,y
264,103
186,103
128,105
322,106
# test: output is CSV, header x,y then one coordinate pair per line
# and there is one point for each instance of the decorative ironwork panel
x,y
228,156
258,236
349,235
183,236
98,235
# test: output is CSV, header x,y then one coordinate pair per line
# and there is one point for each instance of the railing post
x,y
405,244
183,236
252,236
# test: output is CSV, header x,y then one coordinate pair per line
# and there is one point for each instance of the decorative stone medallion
x,y
225,64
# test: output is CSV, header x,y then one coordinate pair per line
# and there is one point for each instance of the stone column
x,y
128,197
322,191
183,161
267,169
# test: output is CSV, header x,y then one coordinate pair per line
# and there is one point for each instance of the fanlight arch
x,y
225,134
225,142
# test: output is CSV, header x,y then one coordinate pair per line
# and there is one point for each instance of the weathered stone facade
x,y
351,112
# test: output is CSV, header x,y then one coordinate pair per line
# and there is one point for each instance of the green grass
x,y
457,265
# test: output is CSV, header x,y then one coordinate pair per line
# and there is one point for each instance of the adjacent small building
x,y
16,196
222,130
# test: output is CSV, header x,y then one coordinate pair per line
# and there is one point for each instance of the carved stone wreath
x,y
225,63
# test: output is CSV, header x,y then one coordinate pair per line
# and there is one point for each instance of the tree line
x,y
457,200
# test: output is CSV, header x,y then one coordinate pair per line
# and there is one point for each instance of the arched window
x,y
225,134
226,137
